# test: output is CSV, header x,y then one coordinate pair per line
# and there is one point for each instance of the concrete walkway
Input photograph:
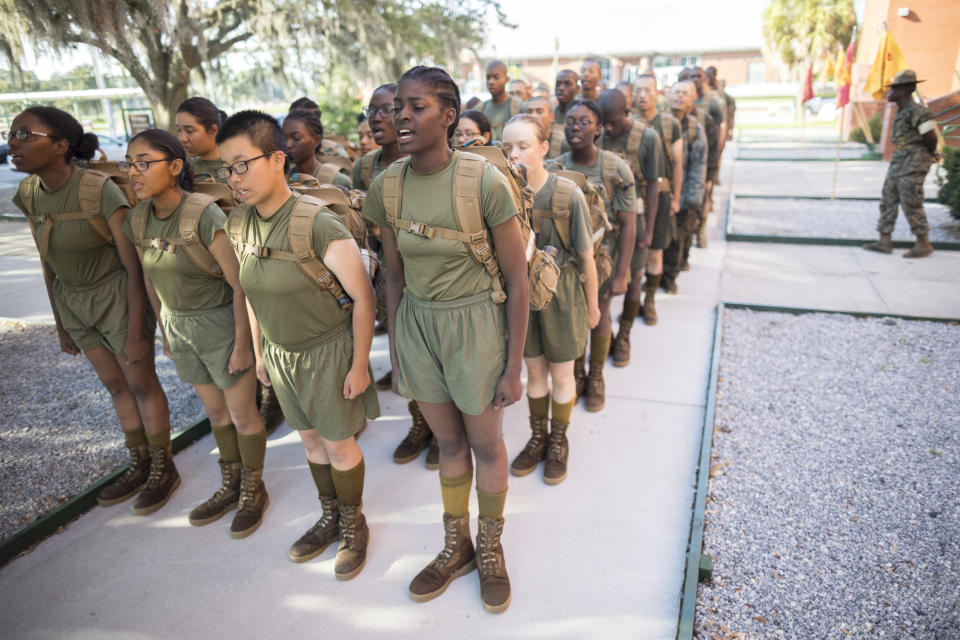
x,y
600,556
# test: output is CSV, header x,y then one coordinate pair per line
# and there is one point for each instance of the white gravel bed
x,y
824,152
59,433
833,508
832,219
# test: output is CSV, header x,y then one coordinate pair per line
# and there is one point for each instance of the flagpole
x,y
836,162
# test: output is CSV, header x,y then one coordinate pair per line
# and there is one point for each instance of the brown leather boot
x,y
269,407
253,502
130,481
558,450
457,558
621,345
354,536
921,249
223,500
649,294
162,481
580,375
596,396
494,582
418,438
883,245
319,536
534,451
432,461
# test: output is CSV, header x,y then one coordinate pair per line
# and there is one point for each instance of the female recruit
x,y
365,135
380,116
473,128
304,140
557,335
198,121
96,291
583,125
195,291
311,340
455,349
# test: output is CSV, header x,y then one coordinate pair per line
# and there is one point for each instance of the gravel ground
x,y
58,439
833,508
790,151
836,219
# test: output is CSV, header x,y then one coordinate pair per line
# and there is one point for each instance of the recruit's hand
x,y
593,316
262,374
356,383
136,349
67,345
618,285
166,348
509,389
240,360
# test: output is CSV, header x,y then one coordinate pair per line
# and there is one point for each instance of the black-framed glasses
x,y
140,165
22,135
583,122
240,167
385,110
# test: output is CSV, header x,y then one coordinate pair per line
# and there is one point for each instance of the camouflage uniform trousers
x,y
906,191
684,226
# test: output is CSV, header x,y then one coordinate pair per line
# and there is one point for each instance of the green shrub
x,y
948,177
876,127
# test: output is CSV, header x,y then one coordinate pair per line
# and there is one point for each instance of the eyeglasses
x,y
385,110
22,135
583,122
238,168
141,165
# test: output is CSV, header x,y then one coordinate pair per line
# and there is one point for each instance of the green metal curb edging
x,y
79,504
772,308
864,158
830,242
761,196
695,556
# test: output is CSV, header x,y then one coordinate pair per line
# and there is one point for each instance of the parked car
x,y
114,147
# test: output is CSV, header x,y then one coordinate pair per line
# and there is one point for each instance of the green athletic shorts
x,y
96,315
451,351
559,332
308,379
201,343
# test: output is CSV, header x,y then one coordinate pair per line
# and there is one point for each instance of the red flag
x,y
808,85
843,78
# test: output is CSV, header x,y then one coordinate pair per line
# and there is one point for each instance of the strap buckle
x,y
42,218
422,230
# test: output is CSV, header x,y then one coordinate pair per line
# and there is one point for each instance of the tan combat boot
x,y
354,536
418,438
649,309
558,449
921,249
457,558
621,345
223,500
534,451
494,582
162,481
596,396
253,502
130,481
883,245
319,536
580,375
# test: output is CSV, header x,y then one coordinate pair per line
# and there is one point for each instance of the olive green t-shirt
x,y
498,114
649,155
436,268
76,253
358,179
180,284
658,123
623,196
581,235
206,170
291,309
714,105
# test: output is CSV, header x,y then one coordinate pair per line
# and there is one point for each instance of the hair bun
x,y
87,147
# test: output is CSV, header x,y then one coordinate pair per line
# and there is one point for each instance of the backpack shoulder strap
x,y
666,123
556,141
302,219
467,175
392,190
189,224
90,193
26,189
559,210
138,223
367,164
326,172
236,229
635,138
608,170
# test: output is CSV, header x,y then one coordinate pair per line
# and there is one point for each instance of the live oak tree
x,y
800,31
161,42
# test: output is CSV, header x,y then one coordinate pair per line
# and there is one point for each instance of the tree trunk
x,y
165,109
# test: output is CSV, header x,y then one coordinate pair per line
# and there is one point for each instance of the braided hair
x,y
310,119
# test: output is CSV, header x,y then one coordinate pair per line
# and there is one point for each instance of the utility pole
x,y
105,102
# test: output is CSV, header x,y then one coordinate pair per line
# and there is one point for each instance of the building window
x,y
688,61
605,69
756,72
662,61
